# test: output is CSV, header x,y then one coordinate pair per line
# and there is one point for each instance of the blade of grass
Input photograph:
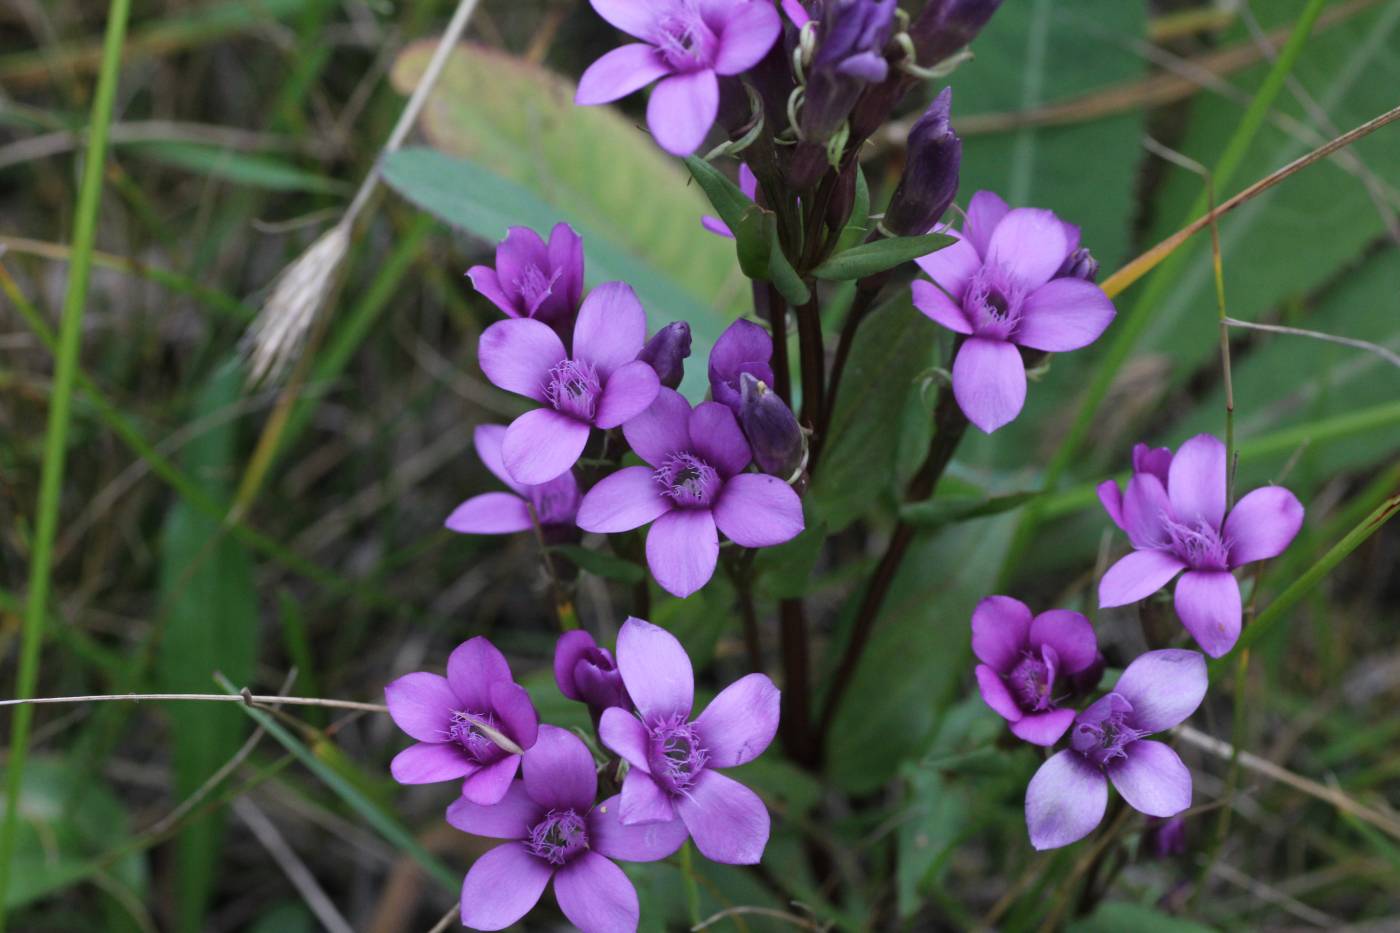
x,y
56,434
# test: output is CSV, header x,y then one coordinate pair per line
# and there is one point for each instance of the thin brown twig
x,y
1385,353
261,700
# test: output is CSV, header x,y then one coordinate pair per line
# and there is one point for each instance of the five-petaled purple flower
x,y
557,833
587,673
748,184
687,44
533,280
602,383
744,347
1174,514
693,484
1067,796
473,723
1028,664
997,286
673,759
553,504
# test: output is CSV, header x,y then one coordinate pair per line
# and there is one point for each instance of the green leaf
x,y
600,564
870,258
784,277
786,571
745,219
1117,916
938,512
242,168
858,227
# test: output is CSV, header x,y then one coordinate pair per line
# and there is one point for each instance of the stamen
x,y
573,389
676,756
468,735
688,481
559,837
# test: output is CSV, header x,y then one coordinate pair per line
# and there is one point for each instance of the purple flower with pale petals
x,y
1108,742
556,833
474,723
1174,514
602,383
1028,664
744,347
996,285
688,44
553,504
587,673
673,758
748,184
692,488
532,280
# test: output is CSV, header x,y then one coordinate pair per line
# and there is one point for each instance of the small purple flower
x,y
587,673
473,723
1028,664
744,347
1067,796
602,383
688,44
532,280
555,832
1174,514
996,285
850,55
693,486
673,758
748,184
553,504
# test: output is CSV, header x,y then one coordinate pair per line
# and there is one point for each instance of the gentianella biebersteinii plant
x,y
718,495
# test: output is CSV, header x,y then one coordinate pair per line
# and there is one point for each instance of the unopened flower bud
x,y
667,351
945,26
772,429
850,55
1166,838
588,674
930,181
1080,264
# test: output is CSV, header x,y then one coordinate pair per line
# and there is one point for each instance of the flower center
x,y
684,39
676,756
559,837
535,285
689,481
573,389
466,732
1198,544
1101,733
1031,680
993,306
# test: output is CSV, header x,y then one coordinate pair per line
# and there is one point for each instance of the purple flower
x,y
744,347
748,184
533,280
554,503
555,832
673,759
1028,664
587,673
694,484
853,36
667,351
473,723
1174,514
687,44
1067,796
602,383
996,285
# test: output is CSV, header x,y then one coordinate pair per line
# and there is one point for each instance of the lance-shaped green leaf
x,y
858,226
745,219
949,511
607,566
870,258
783,276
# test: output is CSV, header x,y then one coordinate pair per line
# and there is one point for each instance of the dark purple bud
x,y
1087,680
1166,838
1080,264
778,445
667,351
852,35
945,26
587,673
930,181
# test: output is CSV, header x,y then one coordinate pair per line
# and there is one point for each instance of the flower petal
x,y
566,258
611,328
491,513
1262,525
626,735
421,704
744,347
625,500
984,212
487,439
516,712
517,355
502,886
716,226
472,667
568,651
489,785
989,382
655,669
1070,634
728,822
995,693
740,723
749,32
1154,460
637,842
1065,800
682,549
1196,481
643,800
1000,626
1208,604
542,445
559,771
430,762
952,267
939,308
625,69
596,896
716,437
634,17
511,818
1145,509
1112,498
1137,576
662,430
682,109
629,391
1152,778
1164,687
757,510
1064,314
488,284
1029,245
1044,729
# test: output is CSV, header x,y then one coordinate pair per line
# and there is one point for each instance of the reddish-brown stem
x,y
796,712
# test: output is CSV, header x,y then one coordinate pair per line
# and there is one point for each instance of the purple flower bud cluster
x,y
535,786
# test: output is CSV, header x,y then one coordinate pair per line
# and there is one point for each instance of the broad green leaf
x,y
601,564
745,219
880,256
786,571
242,168
1117,916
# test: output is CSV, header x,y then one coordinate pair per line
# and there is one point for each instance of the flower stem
x,y
809,339
767,303
797,688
